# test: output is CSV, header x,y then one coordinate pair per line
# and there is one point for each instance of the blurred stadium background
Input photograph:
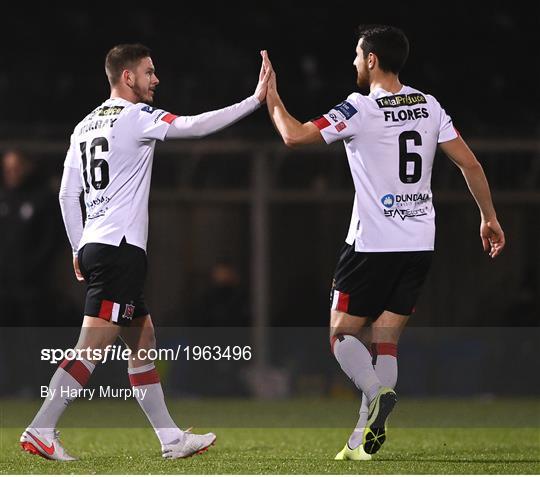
x,y
245,233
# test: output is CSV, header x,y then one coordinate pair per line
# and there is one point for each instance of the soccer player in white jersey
x,y
390,137
110,159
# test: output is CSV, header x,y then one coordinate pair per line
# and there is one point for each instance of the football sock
x,y
358,434
70,377
152,402
385,359
355,360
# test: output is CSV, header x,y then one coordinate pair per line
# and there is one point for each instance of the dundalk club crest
x,y
128,312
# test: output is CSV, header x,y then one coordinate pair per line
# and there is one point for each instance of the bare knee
x,y
141,340
388,327
148,340
96,334
144,336
344,324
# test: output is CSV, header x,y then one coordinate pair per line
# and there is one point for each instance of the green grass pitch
x,y
288,437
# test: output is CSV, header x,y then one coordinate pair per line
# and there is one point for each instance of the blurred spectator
x,y
224,303
221,317
29,224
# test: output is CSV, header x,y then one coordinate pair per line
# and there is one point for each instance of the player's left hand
x,y
78,274
492,236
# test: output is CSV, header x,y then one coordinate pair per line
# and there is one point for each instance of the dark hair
x,y
123,57
387,42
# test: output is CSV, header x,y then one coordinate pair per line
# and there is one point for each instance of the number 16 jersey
x,y
113,149
390,140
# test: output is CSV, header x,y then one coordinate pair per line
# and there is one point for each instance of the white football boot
x,y
35,442
187,445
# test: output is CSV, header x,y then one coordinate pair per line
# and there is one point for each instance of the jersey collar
x,y
379,92
119,100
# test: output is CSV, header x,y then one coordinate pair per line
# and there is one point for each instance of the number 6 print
x,y
405,157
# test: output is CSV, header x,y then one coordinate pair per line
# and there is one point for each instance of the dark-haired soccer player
x,y
390,137
110,159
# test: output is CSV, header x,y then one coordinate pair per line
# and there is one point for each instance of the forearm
x,y
479,187
70,190
207,123
288,127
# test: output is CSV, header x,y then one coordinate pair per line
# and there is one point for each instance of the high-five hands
x,y
272,83
267,78
262,85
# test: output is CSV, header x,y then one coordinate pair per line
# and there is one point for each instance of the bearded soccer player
x,y
390,137
110,159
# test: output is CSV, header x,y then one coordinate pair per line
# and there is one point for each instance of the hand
x,y
272,83
262,85
78,274
492,236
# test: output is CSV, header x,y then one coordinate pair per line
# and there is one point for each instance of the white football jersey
x,y
390,140
113,148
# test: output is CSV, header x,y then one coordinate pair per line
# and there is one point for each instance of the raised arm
x,y
491,232
293,132
207,123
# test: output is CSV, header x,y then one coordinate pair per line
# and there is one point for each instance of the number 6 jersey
x,y
113,149
391,140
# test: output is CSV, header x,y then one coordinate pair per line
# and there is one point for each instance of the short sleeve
x,y
72,159
150,123
338,123
447,132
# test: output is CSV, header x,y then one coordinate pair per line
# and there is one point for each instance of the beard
x,y
143,94
362,79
